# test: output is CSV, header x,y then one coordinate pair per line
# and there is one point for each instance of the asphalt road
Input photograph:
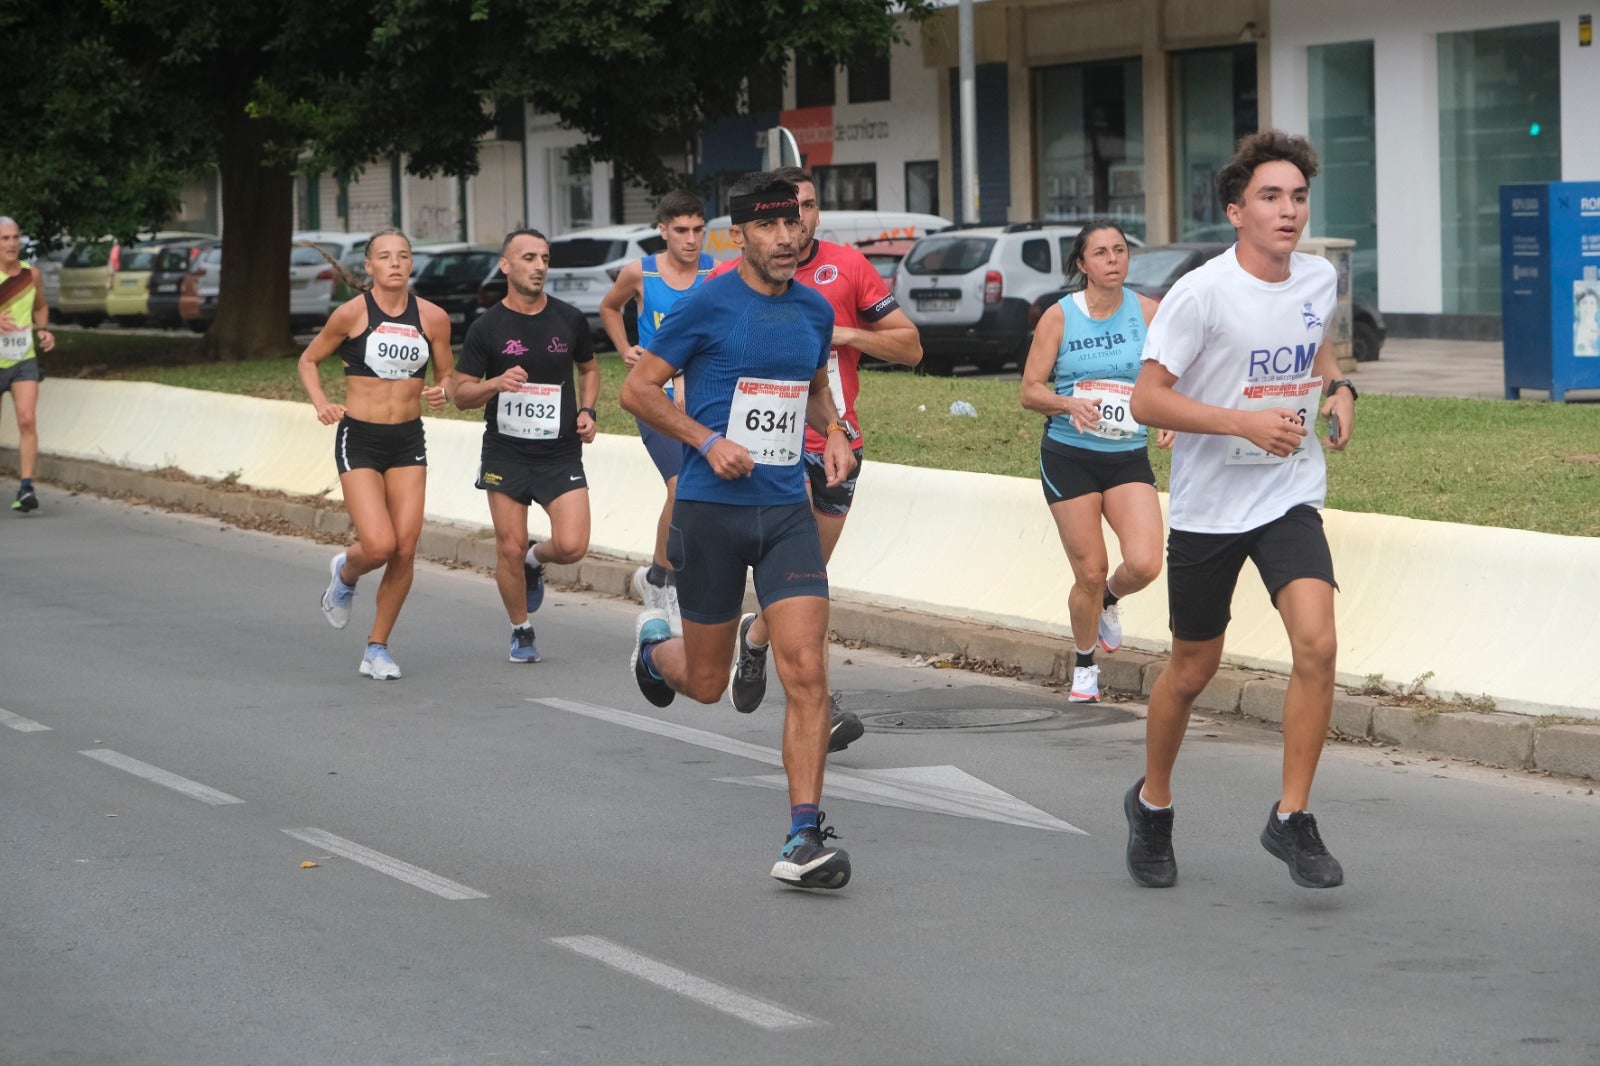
x,y
530,864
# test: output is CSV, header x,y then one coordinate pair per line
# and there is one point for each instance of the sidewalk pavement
x,y
1416,367
1513,741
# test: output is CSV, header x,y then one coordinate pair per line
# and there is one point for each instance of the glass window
x,y
1214,104
853,187
949,255
1036,253
1344,199
584,252
1089,126
922,186
1499,121
574,192
869,78
813,81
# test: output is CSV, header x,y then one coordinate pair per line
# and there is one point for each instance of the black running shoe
x,y
651,628
26,501
533,577
846,728
1150,859
807,861
1298,844
748,684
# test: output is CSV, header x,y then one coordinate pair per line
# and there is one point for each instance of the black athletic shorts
x,y
1065,472
378,446
711,545
834,501
27,370
1203,568
529,481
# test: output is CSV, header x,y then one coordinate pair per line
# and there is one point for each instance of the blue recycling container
x,y
1550,286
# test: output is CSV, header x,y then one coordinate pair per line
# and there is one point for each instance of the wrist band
x,y
591,412
706,445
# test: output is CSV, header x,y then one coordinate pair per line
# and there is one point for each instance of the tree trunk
x,y
258,218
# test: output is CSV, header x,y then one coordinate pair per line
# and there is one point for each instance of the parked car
x,y
969,290
89,269
583,264
197,295
128,301
172,264
1153,271
451,278
885,253
840,227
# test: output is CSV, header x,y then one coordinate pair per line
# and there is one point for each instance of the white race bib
x,y
533,412
396,350
768,417
14,344
1298,396
835,382
1114,399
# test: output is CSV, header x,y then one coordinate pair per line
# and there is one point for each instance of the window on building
x,y
573,201
869,78
922,186
853,187
1345,202
1089,126
1214,104
1499,121
813,81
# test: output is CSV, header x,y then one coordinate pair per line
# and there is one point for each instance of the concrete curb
x,y
1513,741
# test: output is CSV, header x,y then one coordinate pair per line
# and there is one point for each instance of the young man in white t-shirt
x,y
1237,365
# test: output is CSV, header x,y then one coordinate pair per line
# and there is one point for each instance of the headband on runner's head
x,y
748,208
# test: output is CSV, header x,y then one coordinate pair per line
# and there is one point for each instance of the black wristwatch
x,y
594,416
1343,383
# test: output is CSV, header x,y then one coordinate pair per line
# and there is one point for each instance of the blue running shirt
x,y
1108,350
659,297
723,331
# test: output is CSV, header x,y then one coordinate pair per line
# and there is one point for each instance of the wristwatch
x,y
594,415
844,427
1343,383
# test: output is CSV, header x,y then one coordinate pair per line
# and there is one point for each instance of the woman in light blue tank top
x,y
1094,463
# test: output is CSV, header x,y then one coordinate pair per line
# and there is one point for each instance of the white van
x,y
840,227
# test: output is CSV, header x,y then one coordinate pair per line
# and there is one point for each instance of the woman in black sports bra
x,y
386,337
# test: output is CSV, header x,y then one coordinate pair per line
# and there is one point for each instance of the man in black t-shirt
x,y
517,363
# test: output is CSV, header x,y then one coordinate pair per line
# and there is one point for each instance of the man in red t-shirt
x,y
866,318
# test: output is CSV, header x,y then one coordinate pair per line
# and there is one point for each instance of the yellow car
x,y
89,276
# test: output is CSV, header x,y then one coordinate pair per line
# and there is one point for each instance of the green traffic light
x,y
1533,130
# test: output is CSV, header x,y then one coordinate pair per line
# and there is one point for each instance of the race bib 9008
x,y
533,412
396,350
1298,396
768,417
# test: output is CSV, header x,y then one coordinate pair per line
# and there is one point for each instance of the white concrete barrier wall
x,y
1502,612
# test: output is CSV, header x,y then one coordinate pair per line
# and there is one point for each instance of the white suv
x,y
969,288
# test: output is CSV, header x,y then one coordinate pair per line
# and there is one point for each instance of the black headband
x,y
748,208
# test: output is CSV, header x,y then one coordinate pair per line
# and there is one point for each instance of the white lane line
x,y
21,724
646,724
192,789
415,876
710,993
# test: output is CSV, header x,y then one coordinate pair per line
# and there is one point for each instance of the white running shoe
x,y
669,598
646,593
1085,685
1110,629
336,600
378,665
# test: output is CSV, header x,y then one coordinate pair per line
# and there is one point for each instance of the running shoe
x,y
26,501
533,577
669,596
1110,629
647,593
1299,845
651,628
846,728
1085,685
748,684
807,861
377,664
523,649
1150,859
336,600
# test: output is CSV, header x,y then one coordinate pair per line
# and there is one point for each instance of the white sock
x,y
1147,805
1083,651
532,559
528,624
1283,818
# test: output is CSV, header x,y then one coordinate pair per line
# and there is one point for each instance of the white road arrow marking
x,y
939,789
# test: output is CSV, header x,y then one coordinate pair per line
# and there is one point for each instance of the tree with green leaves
x,y
115,103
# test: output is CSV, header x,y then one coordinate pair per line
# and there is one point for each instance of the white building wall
x,y
1405,57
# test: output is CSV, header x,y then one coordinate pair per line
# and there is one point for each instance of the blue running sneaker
x,y
336,600
652,628
523,649
533,577
377,664
807,861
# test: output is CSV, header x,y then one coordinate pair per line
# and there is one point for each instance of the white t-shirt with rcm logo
x,y
1236,341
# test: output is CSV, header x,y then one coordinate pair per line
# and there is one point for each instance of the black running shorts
x,y
1065,472
1203,568
833,501
378,446
712,545
529,481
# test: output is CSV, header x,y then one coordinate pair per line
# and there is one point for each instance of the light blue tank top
x,y
659,296
1108,349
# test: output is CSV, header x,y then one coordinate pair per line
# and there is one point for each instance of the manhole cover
x,y
957,718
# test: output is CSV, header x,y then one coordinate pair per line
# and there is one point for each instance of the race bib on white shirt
x,y
14,344
1114,399
533,412
768,417
396,350
1298,396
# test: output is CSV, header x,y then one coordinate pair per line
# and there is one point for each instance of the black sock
x,y
1109,599
657,575
1085,658
27,483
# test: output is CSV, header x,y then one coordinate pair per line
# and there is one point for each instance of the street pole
x,y
969,115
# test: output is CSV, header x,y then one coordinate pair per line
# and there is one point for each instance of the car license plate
x,y
458,316
130,283
299,283
570,284
172,287
927,306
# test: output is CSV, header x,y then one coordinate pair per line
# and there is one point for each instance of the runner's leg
x,y
405,488
510,520
569,529
1192,666
696,664
800,653
1133,511
1306,606
366,501
1078,524
25,398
